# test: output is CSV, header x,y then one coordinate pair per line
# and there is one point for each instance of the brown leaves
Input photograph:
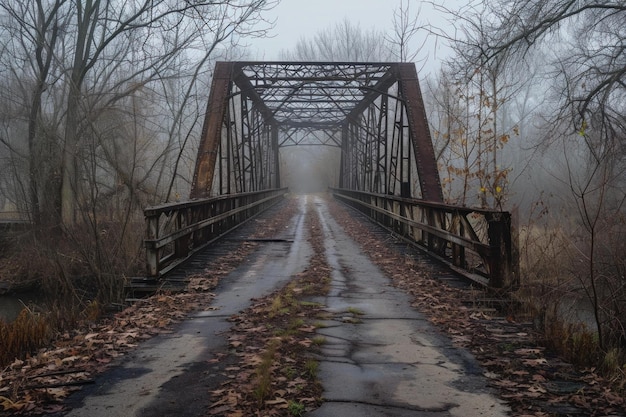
x,y
228,400
41,383
271,340
532,382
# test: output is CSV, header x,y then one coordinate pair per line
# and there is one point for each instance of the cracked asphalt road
x,y
381,357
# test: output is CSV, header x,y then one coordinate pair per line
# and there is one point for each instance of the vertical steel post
x,y
211,131
420,133
344,155
502,266
276,154
152,253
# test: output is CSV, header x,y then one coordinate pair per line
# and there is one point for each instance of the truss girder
x,y
421,140
211,131
373,111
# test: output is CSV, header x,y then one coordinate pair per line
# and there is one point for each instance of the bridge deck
x,y
390,362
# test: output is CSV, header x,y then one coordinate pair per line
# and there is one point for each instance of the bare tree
x,y
586,68
590,39
34,27
91,130
485,89
106,32
405,26
345,41
92,54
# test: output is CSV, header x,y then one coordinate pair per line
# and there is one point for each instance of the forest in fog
x,y
102,104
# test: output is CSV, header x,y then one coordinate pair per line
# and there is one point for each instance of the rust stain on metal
x,y
211,131
312,97
422,142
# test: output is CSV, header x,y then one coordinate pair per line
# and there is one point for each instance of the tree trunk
x,y
70,151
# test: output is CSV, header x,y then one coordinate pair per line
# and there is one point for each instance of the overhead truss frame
x,y
372,112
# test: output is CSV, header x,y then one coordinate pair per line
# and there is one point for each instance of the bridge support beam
x,y
212,131
421,140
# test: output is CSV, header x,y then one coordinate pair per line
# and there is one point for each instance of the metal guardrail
x,y
11,229
174,232
477,243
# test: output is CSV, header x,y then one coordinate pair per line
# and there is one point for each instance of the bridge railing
x,y
176,231
477,243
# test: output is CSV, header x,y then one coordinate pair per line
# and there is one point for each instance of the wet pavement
x,y
167,375
380,358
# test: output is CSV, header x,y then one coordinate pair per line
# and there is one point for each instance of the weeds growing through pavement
x,y
263,385
311,366
296,409
318,340
355,311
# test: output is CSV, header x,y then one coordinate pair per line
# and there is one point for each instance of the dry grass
x,y
263,384
26,333
554,267
71,269
34,329
82,262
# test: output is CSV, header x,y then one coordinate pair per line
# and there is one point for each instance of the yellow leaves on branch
x,y
497,190
583,128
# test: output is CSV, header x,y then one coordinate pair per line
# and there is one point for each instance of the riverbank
x,y
11,304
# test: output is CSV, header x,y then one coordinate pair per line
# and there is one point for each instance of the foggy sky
x,y
299,18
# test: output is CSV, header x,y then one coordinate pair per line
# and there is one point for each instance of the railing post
x,y
152,253
501,263
458,251
181,246
430,220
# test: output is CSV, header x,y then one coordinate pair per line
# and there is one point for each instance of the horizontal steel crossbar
x,y
176,232
480,249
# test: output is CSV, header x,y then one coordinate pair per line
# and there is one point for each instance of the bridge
x,y
377,354
372,115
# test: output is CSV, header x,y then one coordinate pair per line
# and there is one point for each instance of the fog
x,y
309,168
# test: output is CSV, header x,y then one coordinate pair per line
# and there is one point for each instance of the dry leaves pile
x,y
533,382
273,341
39,384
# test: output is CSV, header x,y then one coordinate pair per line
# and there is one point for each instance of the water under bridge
x,y
373,116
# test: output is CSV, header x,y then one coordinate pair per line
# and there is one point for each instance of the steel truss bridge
x,y
373,115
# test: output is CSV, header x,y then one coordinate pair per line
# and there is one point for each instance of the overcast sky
x,y
304,18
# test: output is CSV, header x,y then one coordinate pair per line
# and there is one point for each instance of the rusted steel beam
x,y
211,131
379,88
247,89
421,140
